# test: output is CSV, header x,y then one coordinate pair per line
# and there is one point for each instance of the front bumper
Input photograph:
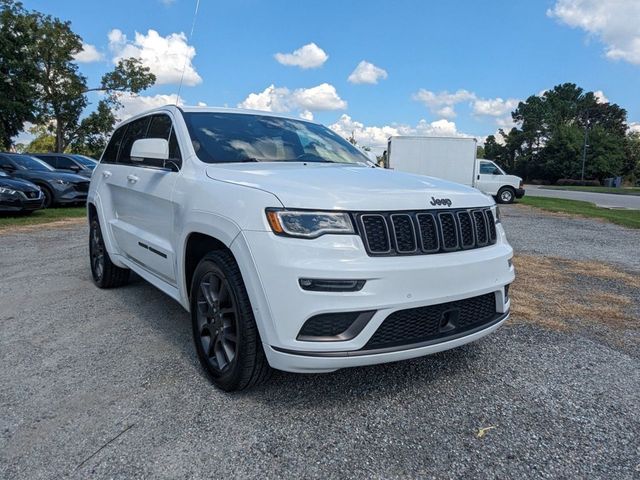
x,y
20,203
72,194
281,306
519,192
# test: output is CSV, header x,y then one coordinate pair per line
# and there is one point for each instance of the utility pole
x,y
584,151
584,146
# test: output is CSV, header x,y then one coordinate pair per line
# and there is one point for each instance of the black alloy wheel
x,y
104,272
225,333
217,318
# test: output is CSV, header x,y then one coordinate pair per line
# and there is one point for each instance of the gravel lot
x,y
105,384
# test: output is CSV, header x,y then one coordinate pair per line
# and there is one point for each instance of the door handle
x,y
106,174
478,177
132,178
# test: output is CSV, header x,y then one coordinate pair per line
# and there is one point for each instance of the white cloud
x,y
135,104
307,115
308,56
506,123
167,2
271,99
494,107
280,99
376,137
322,97
442,103
367,72
165,56
634,127
615,22
88,54
600,96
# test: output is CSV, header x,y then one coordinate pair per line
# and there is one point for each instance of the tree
x,y
551,140
18,91
479,151
60,98
43,142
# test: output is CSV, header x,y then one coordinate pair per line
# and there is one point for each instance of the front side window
x,y
488,168
110,154
135,131
162,127
65,163
219,137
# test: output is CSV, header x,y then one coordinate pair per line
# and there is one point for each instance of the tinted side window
x,y
5,162
161,127
110,154
137,130
49,160
64,162
487,168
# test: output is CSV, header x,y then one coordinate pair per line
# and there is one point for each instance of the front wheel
x,y
105,274
48,197
224,329
506,195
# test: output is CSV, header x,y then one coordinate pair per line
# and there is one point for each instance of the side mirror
x,y
75,168
151,148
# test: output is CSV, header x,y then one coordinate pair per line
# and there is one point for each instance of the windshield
x,y
26,162
86,161
219,137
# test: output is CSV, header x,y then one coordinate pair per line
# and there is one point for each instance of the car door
x,y
488,180
147,209
111,185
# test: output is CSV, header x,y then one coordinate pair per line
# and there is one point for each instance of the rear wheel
x,y
506,195
224,329
105,273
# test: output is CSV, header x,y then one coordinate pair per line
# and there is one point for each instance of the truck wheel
x,y
105,274
506,195
224,329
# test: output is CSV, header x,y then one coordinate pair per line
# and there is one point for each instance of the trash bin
x,y
617,182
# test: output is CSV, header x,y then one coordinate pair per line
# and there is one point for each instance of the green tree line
x,y
558,130
41,83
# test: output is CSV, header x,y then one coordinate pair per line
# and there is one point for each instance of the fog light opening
x,y
328,285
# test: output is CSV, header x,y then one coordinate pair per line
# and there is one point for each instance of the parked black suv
x,y
18,195
68,162
58,187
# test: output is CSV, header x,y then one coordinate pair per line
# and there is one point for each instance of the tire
x,y
48,197
224,329
105,274
506,195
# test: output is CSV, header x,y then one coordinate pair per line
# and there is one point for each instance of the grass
x,y
550,292
616,191
626,218
47,215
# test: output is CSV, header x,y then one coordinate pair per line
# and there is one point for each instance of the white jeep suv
x,y
291,249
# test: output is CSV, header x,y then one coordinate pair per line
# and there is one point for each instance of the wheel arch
x,y
197,245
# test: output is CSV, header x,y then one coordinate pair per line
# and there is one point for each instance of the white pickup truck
x,y
289,248
453,159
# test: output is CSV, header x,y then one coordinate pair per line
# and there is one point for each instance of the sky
x,y
374,68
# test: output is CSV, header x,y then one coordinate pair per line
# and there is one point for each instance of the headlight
x,y
307,224
496,213
7,191
62,182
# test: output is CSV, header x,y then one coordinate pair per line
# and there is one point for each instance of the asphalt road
x,y
608,200
105,384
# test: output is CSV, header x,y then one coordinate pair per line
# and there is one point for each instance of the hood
x,y
345,187
50,176
17,184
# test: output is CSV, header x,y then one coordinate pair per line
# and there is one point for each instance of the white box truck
x,y
453,159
